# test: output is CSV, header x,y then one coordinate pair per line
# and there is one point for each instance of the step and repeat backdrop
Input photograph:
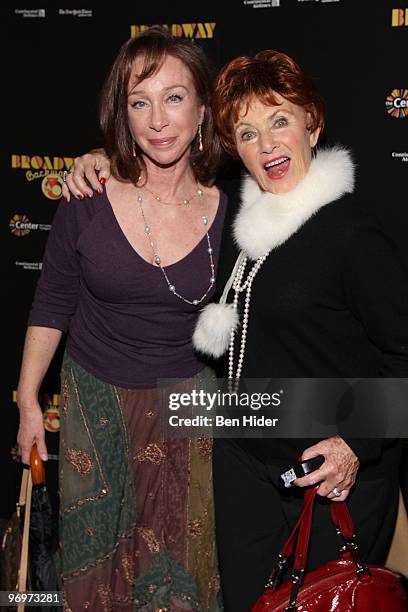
x,y
54,61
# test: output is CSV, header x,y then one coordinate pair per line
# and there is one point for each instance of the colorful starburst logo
x,y
396,103
20,225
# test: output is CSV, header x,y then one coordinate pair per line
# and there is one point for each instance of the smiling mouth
x,y
278,167
162,142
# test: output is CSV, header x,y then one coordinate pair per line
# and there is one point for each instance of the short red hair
x,y
261,76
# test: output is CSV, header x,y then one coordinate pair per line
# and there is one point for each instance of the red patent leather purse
x,y
344,585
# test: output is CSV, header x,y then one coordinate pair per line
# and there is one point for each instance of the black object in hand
x,y
301,469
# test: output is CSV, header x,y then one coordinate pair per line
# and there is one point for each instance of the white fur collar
x,y
266,220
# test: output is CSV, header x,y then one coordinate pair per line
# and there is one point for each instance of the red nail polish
x,y
89,195
80,196
100,190
102,180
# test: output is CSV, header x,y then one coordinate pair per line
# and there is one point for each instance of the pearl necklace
x,y
239,287
157,258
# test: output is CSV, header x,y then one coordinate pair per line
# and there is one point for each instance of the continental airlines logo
x,y
48,170
20,225
29,265
260,4
30,12
180,30
397,103
401,155
399,17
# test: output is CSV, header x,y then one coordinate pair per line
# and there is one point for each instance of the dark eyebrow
x,y
272,116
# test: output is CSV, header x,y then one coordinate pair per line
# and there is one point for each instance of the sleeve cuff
x,y
368,450
54,323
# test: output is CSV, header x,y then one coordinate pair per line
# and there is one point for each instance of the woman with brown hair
x,y
125,277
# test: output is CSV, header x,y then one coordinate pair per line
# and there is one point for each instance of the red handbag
x,y
342,586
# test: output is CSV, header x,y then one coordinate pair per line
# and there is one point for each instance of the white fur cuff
x,y
213,330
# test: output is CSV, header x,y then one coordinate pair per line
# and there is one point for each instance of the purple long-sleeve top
x,y
124,325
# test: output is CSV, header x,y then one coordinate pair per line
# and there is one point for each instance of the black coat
x,y
332,301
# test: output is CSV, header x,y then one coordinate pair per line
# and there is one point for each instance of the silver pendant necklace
x,y
157,258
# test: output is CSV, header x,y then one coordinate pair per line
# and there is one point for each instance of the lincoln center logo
x,y
180,30
20,225
397,103
399,17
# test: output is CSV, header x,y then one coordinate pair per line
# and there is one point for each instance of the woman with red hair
x,y
316,292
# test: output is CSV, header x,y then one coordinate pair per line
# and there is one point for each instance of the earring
x,y
200,138
133,149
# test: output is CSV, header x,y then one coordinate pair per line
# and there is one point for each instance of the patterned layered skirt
x,y
136,506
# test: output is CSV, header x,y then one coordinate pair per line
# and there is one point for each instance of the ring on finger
x,y
65,174
336,492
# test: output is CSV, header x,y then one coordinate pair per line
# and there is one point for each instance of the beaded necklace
x,y
239,286
157,258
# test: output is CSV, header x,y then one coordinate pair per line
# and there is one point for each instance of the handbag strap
x,y
341,518
302,544
22,572
307,508
23,487
287,550
343,522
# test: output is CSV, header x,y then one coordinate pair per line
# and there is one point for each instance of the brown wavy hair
x,y
261,76
154,45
